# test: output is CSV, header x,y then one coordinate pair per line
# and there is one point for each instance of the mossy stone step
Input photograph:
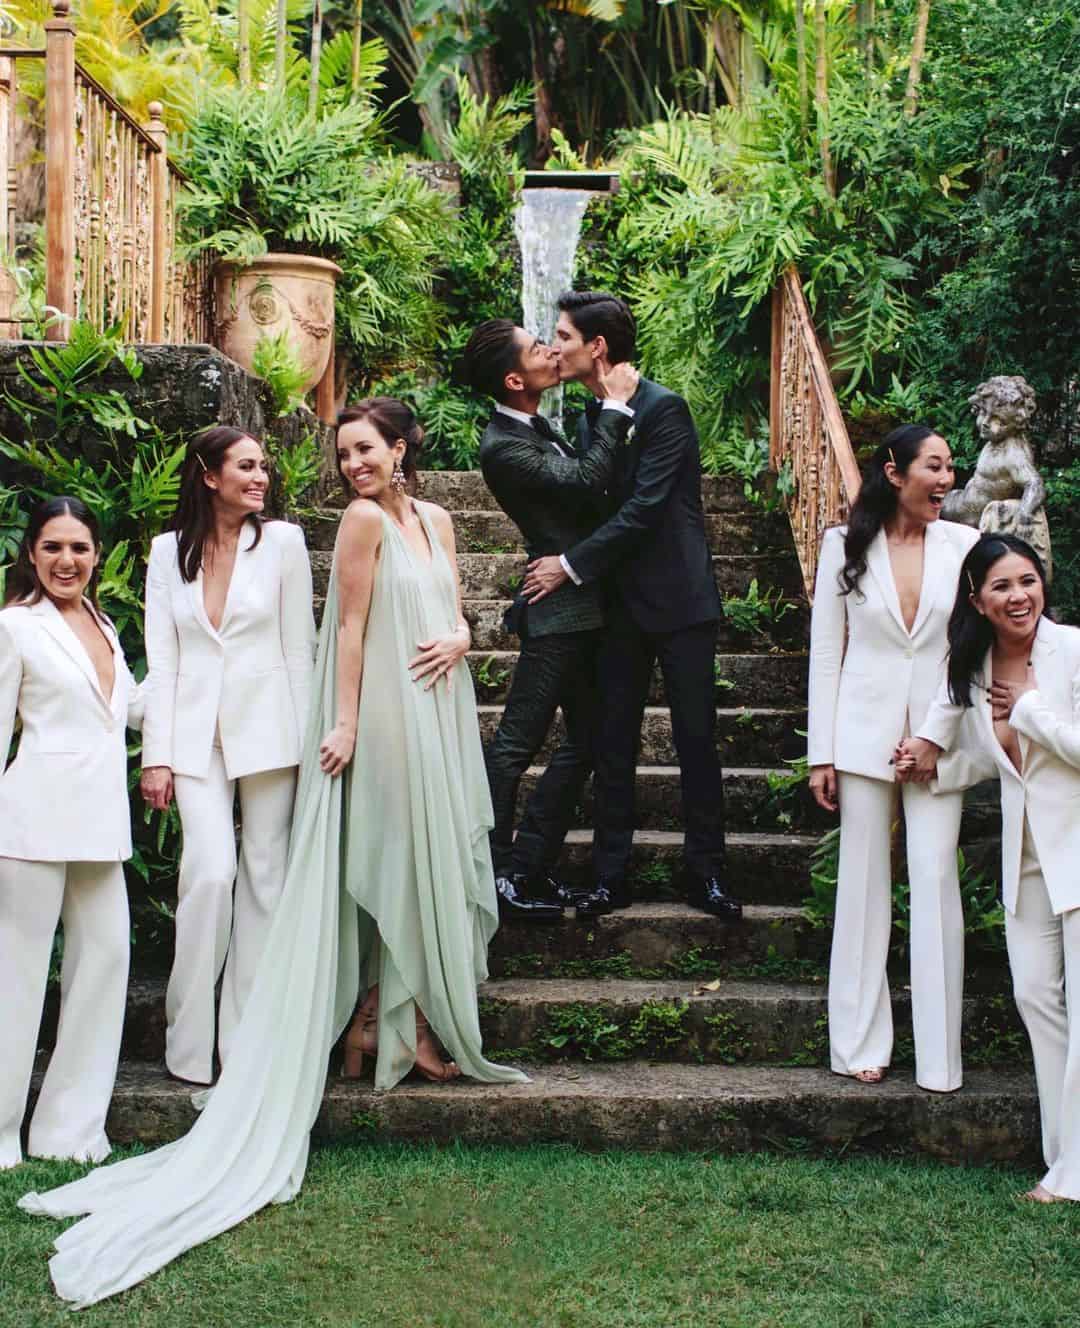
x,y
744,737
714,1108
499,575
761,681
725,1022
789,633
492,531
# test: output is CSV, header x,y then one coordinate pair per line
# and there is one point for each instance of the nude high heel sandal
x,y
362,1039
428,1061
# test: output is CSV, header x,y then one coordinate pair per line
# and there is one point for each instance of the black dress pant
x,y
687,662
553,672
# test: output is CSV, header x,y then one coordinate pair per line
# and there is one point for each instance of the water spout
x,y
548,226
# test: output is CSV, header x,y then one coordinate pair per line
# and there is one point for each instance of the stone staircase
x,y
660,1027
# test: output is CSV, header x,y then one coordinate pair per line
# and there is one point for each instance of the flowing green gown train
x,y
390,876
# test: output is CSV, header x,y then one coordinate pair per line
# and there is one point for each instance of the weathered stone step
x,y
761,868
732,1022
465,491
663,937
789,633
743,736
496,575
993,1118
648,940
749,803
765,681
492,531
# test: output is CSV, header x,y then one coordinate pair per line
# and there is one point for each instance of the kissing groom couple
x,y
619,579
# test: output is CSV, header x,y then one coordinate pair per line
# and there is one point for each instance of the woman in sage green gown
x,y
389,876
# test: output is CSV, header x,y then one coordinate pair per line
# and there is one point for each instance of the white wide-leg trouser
x,y
860,1013
1044,956
214,929
90,898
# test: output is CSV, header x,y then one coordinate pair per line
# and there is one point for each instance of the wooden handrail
x,y
110,207
807,433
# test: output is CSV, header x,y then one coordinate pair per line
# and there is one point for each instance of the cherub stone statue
x,y
1006,493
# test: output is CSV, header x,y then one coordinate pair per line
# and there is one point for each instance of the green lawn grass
x,y
409,1237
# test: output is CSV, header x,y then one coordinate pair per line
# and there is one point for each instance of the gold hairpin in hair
x,y
201,462
891,457
971,582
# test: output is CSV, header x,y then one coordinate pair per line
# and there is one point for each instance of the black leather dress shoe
x,y
608,894
516,905
551,889
710,896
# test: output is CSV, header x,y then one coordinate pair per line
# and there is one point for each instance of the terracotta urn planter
x,y
289,293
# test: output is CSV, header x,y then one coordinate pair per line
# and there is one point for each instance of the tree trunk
x,y
281,33
865,18
918,50
726,41
800,56
357,42
543,109
821,96
243,41
316,55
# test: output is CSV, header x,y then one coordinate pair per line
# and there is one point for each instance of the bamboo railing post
x,y
8,290
60,168
160,258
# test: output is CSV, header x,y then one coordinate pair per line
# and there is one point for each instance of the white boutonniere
x,y
629,435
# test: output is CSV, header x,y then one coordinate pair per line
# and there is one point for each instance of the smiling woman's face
x,y
1011,598
64,558
921,491
366,459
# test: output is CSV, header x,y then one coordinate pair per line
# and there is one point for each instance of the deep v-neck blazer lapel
x,y
52,620
880,567
194,592
934,546
243,569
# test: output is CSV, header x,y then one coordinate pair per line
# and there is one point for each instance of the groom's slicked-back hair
x,y
489,355
598,314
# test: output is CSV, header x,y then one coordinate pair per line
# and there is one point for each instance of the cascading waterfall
x,y
548,226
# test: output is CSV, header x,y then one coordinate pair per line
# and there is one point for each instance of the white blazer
x,y
64,798
872,681
250,679
1047,791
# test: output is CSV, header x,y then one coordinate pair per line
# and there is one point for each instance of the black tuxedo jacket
x,y
555,501
653,548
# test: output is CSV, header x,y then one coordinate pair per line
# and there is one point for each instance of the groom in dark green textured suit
x,y
556,499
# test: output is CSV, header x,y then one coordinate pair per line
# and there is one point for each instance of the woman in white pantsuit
x,y
885,587
1011,707
230,650
65,831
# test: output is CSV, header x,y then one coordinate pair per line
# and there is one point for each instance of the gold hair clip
x,y
201,462
891,457
971,582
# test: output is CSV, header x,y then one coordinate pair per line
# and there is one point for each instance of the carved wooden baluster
x,y
60,168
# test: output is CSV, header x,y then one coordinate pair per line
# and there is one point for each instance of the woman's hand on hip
x,y
337,749
823,786
1004,695
438,656
156,786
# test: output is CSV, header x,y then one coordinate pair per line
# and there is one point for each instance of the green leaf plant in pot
x,y
286,200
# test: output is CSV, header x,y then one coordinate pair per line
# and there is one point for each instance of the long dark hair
x,y
970,635
876,502
393,420
193,519
23,583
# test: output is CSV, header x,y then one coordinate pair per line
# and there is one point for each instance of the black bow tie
x,y
545,429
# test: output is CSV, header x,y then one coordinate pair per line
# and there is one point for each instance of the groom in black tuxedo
x,y
653,558
556,498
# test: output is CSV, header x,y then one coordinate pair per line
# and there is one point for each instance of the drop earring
x,y
397,479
